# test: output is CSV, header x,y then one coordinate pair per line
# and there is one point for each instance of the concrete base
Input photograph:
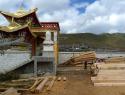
x,y
47,65
48,54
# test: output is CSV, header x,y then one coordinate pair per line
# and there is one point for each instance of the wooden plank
x,y
108,81
10,91
111,65
20,80
109,84
110,74
108,78
111,71
18,89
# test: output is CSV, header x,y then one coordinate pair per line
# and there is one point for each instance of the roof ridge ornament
x,y
21,7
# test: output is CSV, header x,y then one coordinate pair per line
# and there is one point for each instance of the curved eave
x,y
17,16
9,16
17,29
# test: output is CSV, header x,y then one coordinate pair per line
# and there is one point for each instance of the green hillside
x,y
109,41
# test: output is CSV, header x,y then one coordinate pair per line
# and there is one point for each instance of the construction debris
x,y
36,83
82,58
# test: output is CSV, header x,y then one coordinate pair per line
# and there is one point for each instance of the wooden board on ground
x,y
109,84
110,75
10,91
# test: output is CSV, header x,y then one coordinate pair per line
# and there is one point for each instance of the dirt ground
x,y
79,83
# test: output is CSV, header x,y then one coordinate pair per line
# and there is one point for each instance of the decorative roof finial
x,y
21,7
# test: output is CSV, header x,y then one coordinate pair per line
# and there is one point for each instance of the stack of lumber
x,y
83,57
115,60
40,84
110,75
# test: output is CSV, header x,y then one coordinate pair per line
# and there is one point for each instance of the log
x,y
86,56
51,83
21,80
12,85
41,85
64,78
36,83
59,79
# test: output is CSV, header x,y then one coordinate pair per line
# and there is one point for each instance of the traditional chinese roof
x,y
19,13
22,15
15,27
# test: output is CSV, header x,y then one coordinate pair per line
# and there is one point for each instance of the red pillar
x,y
33,47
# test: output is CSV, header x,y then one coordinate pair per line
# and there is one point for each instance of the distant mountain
x,y
108,41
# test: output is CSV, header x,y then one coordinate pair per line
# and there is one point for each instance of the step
x,y
111,66
108,77
110,84
111,72
108,81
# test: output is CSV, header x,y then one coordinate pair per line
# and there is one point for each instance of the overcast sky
x,y
95,16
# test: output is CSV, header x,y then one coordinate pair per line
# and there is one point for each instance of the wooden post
x,y
33,47
35,67
85,65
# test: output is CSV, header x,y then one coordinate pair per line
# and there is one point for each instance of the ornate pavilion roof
x,y
19,13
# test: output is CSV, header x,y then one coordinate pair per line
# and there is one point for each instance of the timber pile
x,y
83,57
110,75
115,60
40,84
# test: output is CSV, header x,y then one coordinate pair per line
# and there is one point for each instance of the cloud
x,y
50,5
9,5
98,17
81,5
104,16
